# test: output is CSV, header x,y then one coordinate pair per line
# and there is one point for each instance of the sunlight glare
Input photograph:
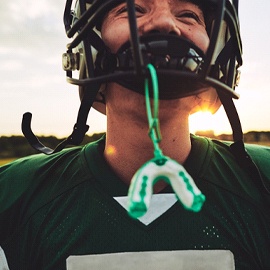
x,y
205,121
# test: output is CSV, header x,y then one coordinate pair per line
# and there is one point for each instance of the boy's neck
x,y
128,146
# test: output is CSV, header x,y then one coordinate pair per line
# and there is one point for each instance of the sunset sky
x,y
32,40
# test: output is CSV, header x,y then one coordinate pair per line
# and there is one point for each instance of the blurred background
x,y
32,40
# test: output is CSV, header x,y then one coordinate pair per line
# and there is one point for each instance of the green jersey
x,y
52,207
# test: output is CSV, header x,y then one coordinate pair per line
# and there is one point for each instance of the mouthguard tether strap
x,y
160,167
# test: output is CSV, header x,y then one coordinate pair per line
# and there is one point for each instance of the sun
x,y
205,121
201,121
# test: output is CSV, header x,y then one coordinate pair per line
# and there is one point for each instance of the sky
x,y
32,40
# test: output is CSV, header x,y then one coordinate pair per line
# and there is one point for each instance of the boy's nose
x,y
161,22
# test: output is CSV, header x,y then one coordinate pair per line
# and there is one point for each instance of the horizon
x,y
32,79
203,131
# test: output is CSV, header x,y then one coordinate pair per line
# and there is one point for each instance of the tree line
x,y
17,146
260,137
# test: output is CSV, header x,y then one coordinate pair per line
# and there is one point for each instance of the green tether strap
x,y
160,167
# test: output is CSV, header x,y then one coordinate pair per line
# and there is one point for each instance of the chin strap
x,y
238,147
160,167
79,130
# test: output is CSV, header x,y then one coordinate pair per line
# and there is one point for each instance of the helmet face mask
x,y
178,61
97,65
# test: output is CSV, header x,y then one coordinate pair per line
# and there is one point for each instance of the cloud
x,y
11,66
32,37
32,41
28,23
32,9
18,13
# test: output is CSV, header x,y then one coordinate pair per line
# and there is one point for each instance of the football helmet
x,y
178,61
182,68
